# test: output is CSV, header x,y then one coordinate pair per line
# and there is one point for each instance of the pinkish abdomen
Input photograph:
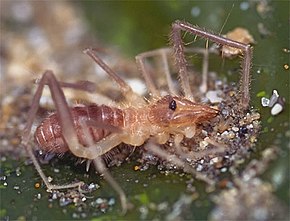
x,y
90,121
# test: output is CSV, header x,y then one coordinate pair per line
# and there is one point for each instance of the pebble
x,y
214,160
56,170
224,169
277,108
54,196
235,129
99,200
265,102
274,98
213,96
64,201
225,134
203,144
111,201
199,168
231,135
38,196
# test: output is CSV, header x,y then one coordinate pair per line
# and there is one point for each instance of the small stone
x,y
265,102
277,108
56,170
214,160
64,201
38,196
199,168
54,196
99,201
253,139
224,169
235,129
203,144
213,96
231,135
274,98
111,201
225,134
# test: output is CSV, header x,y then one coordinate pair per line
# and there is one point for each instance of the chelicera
x,y
91,131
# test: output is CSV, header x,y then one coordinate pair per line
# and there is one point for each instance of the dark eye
x,y
172,105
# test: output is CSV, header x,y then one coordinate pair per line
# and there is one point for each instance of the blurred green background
x,y
135,27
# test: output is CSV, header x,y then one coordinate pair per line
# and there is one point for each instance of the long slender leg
x,y
58,97
95,152
219,148
126,90
149,81
156,150
69,133
170,84
86,90
66,120
91,97
63,110
43,176
179,26
203,86
99,148
101,168
181,61
81,85
205,62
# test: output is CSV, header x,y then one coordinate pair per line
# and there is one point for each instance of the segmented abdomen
x,y
95,120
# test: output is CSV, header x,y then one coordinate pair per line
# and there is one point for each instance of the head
x,y
171,111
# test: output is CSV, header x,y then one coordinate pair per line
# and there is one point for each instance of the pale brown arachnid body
x,y
91,131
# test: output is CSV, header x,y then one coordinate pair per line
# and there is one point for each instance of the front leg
x,y
181,62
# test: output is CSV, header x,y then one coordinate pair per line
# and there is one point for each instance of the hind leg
x,y
49,79
44,178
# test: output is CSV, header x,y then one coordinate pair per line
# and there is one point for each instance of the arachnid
x,y
89,132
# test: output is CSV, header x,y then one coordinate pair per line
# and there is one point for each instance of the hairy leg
x,y
156,150
203,86
94,154
102,169
49,79
176,39
140,60
44,177
125,89
69,133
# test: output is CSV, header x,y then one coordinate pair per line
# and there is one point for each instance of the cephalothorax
x,y
91,131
